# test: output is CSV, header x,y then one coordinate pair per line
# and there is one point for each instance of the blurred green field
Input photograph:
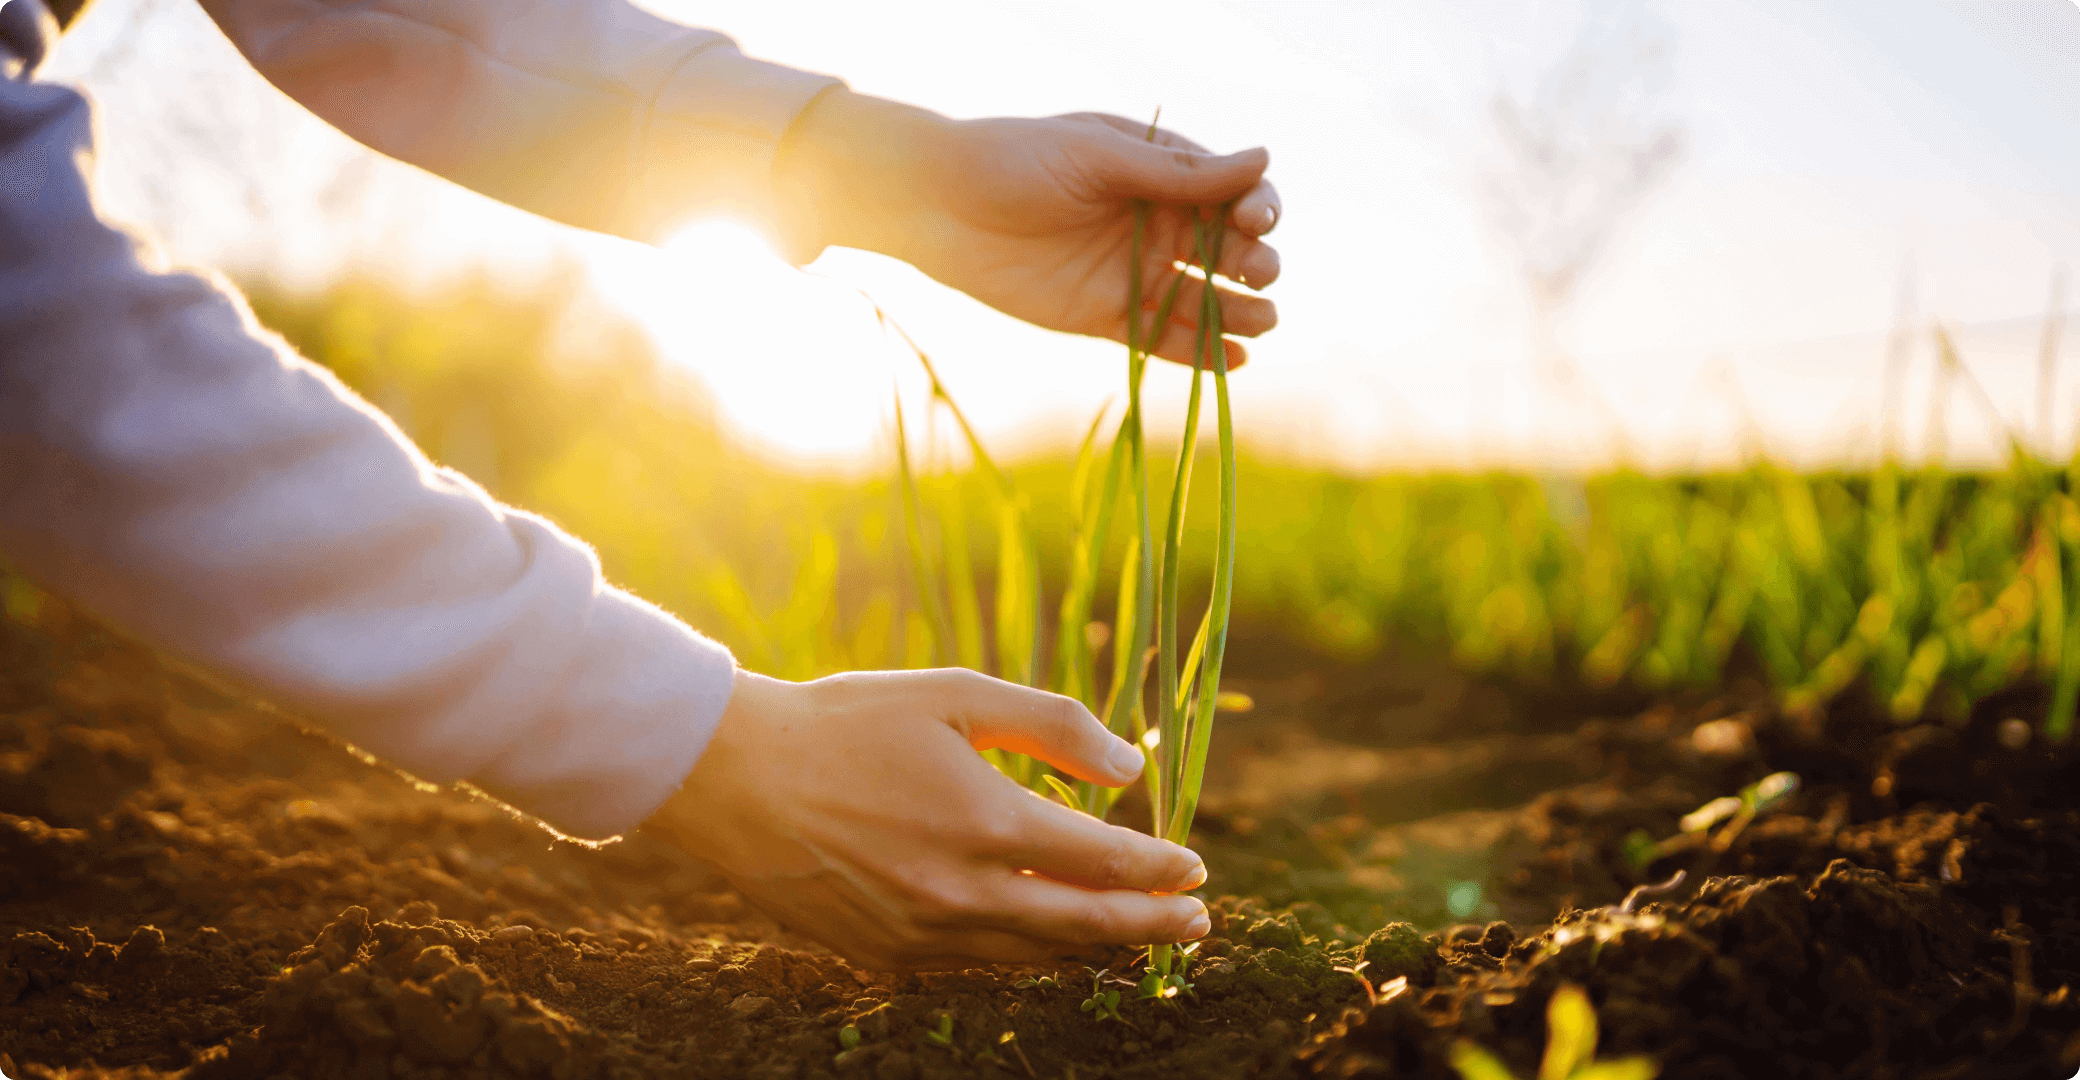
x,y
1923,587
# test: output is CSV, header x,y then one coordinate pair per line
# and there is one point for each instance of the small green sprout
x,y
1010,1039
1044,982
943,1034
1103,1004
1357,971
1734,811
1158,983
848,1037
1570,1048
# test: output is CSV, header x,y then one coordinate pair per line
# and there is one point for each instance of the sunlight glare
x,y
795,361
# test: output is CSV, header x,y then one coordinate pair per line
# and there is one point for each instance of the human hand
x,y
1035,217
855,810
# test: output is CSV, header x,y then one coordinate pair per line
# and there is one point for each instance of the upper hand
x,y
1036,217
855,810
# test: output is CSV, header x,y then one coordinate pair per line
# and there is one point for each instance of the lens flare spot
x,y
1462,898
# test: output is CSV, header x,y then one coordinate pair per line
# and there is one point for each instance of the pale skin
x,y
855,809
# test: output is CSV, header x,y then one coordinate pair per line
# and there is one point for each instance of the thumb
x,y
994,714
1144,170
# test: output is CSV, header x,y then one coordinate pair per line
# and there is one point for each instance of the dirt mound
x,y
197,888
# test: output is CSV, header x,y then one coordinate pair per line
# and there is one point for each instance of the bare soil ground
x,y
194,887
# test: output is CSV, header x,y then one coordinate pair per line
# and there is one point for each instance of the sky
x,y
1849,167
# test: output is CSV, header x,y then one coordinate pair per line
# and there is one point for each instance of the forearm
x,y
176,470
846,174
590,112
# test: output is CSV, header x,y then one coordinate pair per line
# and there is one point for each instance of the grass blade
x,y
931,600
1094,505
1018,597
1169,718
1201,730
960,580
1191,659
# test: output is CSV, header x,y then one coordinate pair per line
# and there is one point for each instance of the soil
x,y
196,887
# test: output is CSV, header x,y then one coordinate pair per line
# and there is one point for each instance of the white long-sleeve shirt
x,y
176,469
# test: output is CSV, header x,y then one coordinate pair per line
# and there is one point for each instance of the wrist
x,y
689,816
847,174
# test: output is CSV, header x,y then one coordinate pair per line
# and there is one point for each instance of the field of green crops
x,y
1598,822
1922,587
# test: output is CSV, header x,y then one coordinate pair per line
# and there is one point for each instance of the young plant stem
x,y
1169,719
1181,751
1223,561
1173,748
1130,640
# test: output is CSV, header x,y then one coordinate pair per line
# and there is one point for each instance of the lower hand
x,y
855,810
1035,217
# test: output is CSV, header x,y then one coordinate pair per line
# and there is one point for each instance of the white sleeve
x,y
178,471
591,112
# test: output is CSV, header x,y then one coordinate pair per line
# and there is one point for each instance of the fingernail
x,y
1194,879
1198,927
1124,758
1266,218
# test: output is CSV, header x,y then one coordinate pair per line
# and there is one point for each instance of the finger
x,y
1243,314
1180,345
1132,169
970,948
1054,911
1258,212
1079,849
994,714
1242,258
1139,129
1247,260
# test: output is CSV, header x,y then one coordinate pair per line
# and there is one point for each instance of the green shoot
x,y
1103,1004
1570,1048
1043,982
1357,971
1070,796
1157,982
1183,732
943,1034
848,1037
1734,811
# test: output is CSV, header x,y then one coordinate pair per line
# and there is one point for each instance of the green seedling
x,y
1735,812
943,1034
1103,1004
1357,971
1188,695
1010,1039
1160,984
1570,1048
1043,982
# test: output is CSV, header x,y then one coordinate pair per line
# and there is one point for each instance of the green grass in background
x,y
1930,587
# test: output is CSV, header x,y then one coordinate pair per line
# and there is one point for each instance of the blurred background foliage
x,y
1924,586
